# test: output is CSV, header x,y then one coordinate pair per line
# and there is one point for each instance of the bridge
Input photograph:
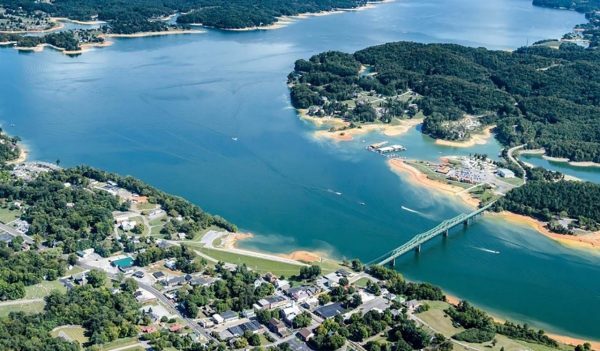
x,y
419,239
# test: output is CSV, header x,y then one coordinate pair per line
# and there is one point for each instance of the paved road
x,y
512,159
163,299
12,231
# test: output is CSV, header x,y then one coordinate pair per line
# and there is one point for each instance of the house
x,y
176,281
148,329
311,303
249,313
330,311
305,334
412,305
7,238
270,302
139,274
170,264
158,275
201,281
301,293
85,253
288,314
156,213
206,323
127,270
282,284
128,225
277,326
230,316
218,319
176,328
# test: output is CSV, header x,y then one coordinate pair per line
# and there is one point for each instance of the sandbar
x,y
23,154
154,34
417,177
582,241
304,256
481,138
396,129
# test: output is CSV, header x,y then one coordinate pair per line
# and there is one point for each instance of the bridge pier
x,y
445,233
418,249
466,223
393,263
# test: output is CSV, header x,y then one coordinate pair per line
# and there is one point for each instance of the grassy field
x,y
260,265
7,216
436,318
362,282
71,332
43,289
120,343
28,308
435,176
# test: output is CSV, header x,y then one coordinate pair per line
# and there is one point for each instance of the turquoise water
x,y
591,174
166,109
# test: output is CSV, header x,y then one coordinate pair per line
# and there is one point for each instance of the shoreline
x,y
419,178
589,242
284,21
83,48
57,26
392,130
85,23
23,155
480,138
315,256
542,152
155,34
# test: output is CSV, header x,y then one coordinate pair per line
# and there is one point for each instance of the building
x,y
506,173
301,293
277,326
139,274
330,311
7,238
230,316
271,302
305,334
412,305
288,314
158,275
85,253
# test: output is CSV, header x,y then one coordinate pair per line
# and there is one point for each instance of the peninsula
x,y
97,260
144,18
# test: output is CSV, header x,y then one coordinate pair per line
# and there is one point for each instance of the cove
x,y
207,117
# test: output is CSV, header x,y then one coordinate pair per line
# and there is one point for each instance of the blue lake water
x,y
166,110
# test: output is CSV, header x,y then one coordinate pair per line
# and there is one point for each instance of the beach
x,y
559,159
417,177
23,154
83,47
399,128
476,139
589,241
154,34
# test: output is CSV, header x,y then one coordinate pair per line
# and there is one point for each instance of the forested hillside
x,y
536,95
590,30
141,15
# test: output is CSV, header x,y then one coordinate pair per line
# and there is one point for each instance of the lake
x,y
207,116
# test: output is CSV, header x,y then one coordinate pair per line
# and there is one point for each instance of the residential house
x,y
305,334
278,327
330,311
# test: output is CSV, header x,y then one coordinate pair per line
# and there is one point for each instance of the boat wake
x,y
486,250
412,211
334,192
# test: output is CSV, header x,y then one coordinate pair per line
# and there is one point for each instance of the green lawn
x,y
43,289
71,332
119,343
7,216
155,230
260,265
28,308
437,319
362,282
434,175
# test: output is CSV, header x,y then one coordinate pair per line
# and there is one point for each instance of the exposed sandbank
x,y
559,159
85,23
417,177
23,154
155,34
83,47
395,129
583,241
481,138
304,256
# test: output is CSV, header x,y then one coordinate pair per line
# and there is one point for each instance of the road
x,y
163,299
18,302
512,159
12,231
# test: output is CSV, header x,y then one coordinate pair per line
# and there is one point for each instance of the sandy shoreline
x,y
57,26
559,159
155,34
396,129
417,177
476,139
85,23
83,47
586,241
23,154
